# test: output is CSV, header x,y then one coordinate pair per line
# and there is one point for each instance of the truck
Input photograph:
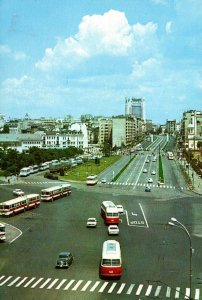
x,y
2,232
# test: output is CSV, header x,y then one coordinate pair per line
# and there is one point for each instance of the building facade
x,y
124,131
191,129
135,107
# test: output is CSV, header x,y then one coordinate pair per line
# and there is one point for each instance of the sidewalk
x,y
196,180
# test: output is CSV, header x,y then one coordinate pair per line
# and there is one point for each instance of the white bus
x,y
25,172
111,262
18,205
56,192
43,166
92,180
2,232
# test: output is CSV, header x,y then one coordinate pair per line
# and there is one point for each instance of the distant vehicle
x,y
92,180
113,230
154,159
170,155
150,180
111,262
120,208
110,213
43,166
35,169
21,204
103,180
2,232
18,192
64,260
153,172
24,172
145,171
91,222
56,192
147,189
147,161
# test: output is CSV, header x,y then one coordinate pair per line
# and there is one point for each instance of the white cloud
x,y
107,34
5,50
200,84
168,27
14,83
147,68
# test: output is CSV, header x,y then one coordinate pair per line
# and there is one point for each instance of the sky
x,y
75,57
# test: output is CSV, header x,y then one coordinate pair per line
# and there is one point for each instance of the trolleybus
x,y
25,172
2,232
111,262
109,212
56,192
18,205
92,180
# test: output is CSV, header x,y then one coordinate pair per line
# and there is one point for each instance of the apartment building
x,y
124,131
191,129
105,130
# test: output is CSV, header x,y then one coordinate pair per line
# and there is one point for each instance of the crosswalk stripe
x,y
77,285
37,282
95,285
69,284
157,291
121,288
44,284
30,281
129,291
103,287
197,294
187,293
86,285
177,293
112,288
52,284
139,289
21,282
148,290
2,277
7,279
168,291
14,281
60,284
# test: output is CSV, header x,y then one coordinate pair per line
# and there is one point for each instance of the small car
x,y
64,260
150,180
103,180
120,208
147,161
18,192
153,172
147,189
145,171
113,230
91,222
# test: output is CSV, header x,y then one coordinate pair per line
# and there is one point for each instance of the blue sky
x,y
61,57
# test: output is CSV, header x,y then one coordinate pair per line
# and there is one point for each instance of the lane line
x,y
144,215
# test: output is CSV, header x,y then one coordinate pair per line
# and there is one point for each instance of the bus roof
x,y
108,203
53,188
111,250
111,209
18,199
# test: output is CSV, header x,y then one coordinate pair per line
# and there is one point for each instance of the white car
x,y
113,230
120,208
150,180
153,172
147,161
145,171
18,192
103,180
91,222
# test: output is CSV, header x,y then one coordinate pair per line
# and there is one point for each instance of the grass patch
x,y
161,175
79,173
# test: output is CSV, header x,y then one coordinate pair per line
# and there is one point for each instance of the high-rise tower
x,y
135,107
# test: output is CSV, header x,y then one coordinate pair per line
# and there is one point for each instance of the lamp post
x,y
178,224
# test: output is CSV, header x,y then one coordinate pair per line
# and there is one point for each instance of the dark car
x,y
147,189
64,260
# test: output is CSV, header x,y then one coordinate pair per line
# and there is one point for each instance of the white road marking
x,y
7,279
103,287
149,289
77,285
35,284
45,283
30,281
177,293
121,288
14,281
21,282
187,293
139,289
60,284
52,283
112,288
168,292
95,285
144,215
69,284
129,291
86,285
157,291
197,294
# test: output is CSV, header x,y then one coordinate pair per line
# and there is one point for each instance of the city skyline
x,y
64,58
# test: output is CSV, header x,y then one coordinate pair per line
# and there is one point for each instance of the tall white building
x,y
135,107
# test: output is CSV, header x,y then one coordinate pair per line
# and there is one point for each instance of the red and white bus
x,y
109,212
56,192
111,262
18,205
92,180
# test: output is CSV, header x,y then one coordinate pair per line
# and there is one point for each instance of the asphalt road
x,y
155,255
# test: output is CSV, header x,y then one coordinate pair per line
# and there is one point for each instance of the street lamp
x,y
178,224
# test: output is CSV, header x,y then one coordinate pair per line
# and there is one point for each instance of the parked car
x,y
145,171
113,230
91,222
153,172
150,180
64,260
147,161
147,189
104,180
120,208
18,192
